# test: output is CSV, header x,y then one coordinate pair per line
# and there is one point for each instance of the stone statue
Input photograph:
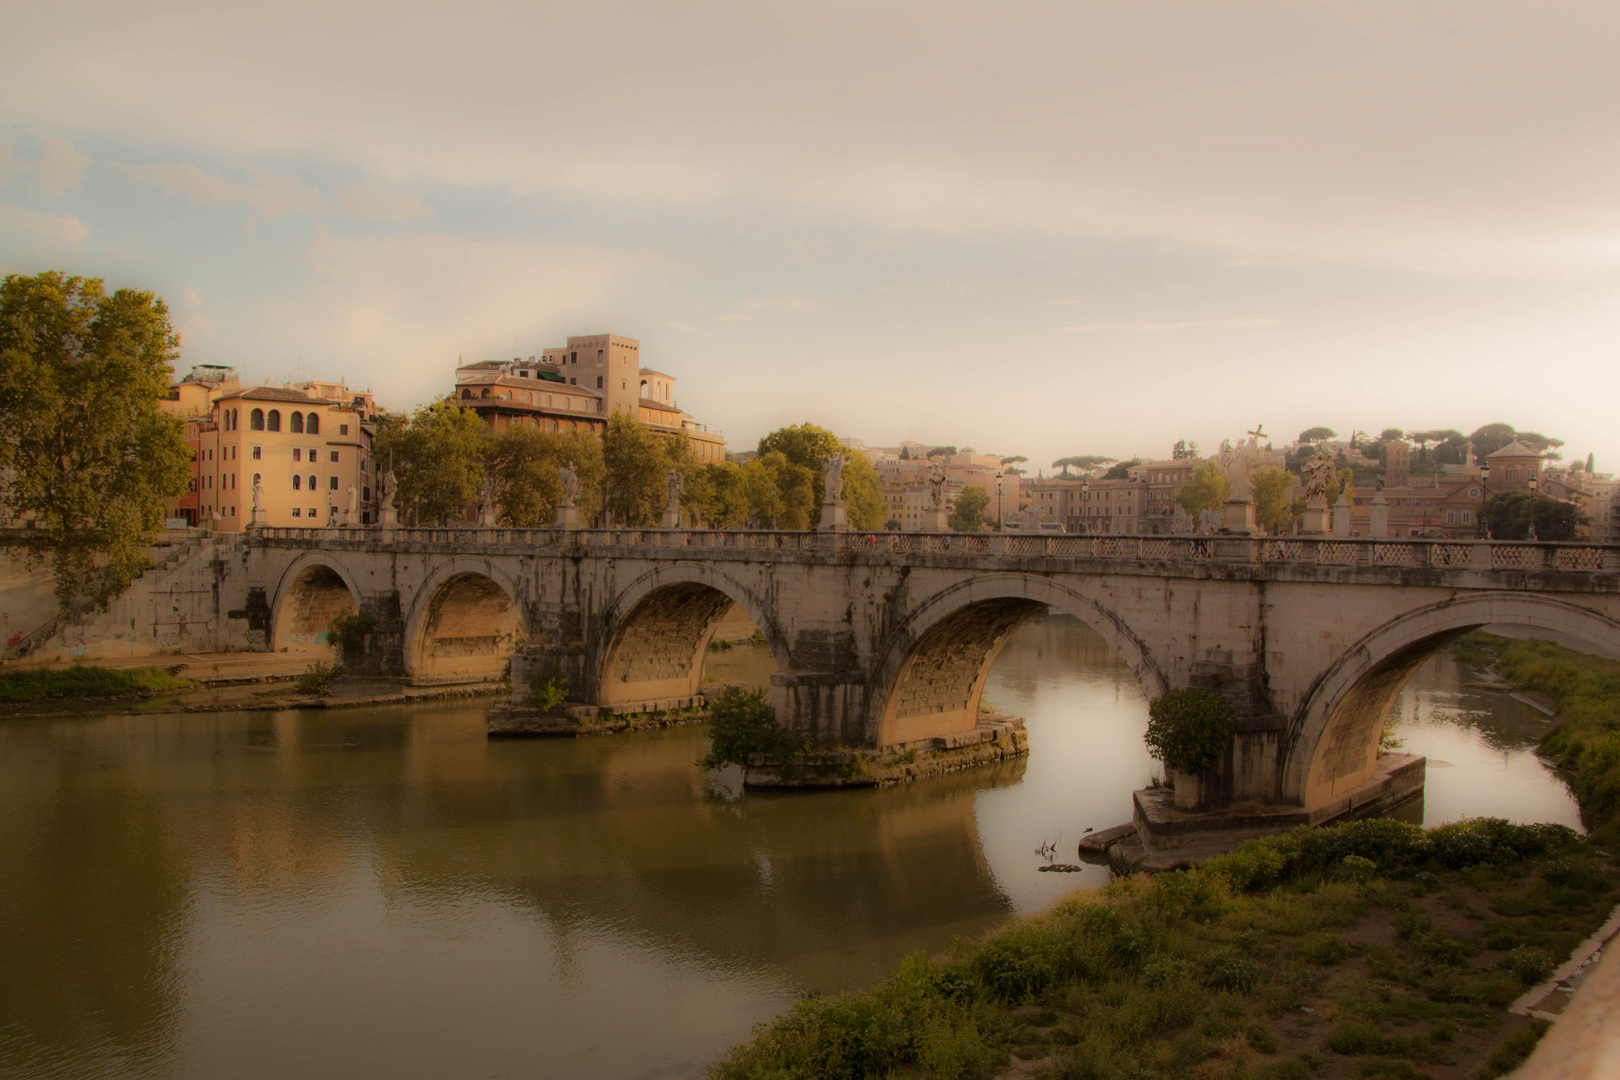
x,y
1321,477
832,475
676,485
353,502
486,498
258,494
570,484
936,484
1238,462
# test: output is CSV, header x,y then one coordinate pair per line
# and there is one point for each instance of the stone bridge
x,y
884,641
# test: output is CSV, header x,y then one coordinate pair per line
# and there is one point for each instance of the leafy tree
x,y
1122,470
742,724
1086,463
1391,434
1011,464
1273,510
91,456
1317,434
1207,489
1508,515
524,463
1591,466
637,461
942,451
803,447
714,495
1189,730
863,492
439,460
967,513
1184,450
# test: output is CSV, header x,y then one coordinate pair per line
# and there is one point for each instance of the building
x,y
309,446
1105,507
506,394
192,400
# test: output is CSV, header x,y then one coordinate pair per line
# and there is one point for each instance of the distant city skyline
x,y
1036,231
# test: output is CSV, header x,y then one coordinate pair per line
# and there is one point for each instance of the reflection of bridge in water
x,y
884,640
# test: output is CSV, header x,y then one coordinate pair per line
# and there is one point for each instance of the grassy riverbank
x,y
1370,949
41,684
1586,692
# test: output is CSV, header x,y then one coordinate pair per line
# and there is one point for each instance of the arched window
x,y
312,424
643,387
298,482
484,393
295,423
256,419
466,394
273,421
313,483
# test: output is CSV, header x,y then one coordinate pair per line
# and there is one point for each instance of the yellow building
x,y
309,448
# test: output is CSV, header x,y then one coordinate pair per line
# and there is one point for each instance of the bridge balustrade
x,y
1524,556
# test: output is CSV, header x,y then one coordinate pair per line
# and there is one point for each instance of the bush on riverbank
x,y
1369,940
742,724
82,681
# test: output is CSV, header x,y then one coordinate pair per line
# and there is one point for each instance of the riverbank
x,y
223,682
1369,949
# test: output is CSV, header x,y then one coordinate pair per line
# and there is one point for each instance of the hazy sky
x,y
1041,229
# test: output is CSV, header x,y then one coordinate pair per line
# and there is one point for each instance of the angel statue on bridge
x,y
936,484
1321,477
832,475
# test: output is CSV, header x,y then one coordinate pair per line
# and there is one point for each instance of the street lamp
x,y
1085,498
1484,497
998,500
1534,483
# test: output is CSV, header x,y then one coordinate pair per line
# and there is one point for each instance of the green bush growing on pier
x,y
742,724
1189,729
316,679
548,689
348,633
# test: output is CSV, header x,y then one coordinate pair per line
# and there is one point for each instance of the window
x,y
273,421
466,395
314,454
254,453
312,512
1467,517
297,512
1473,493
314,482
298,482
1451,517
573,382
298,453
295,423
599,382
343,429
573,358
365,493
313,424
334,455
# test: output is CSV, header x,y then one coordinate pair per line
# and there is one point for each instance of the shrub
x,y
316,679
1228,969
1188,730
85,681
1513,1051
548,689
742,724
1529,963
348,633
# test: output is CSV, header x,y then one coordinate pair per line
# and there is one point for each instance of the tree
x,y
1317,434
1011,464
942,451
524,463
804,446
1591,466
637,461
91,456
967,513
1206,489
1391,434
1122,470
439,460
1273,510
1184,450
715,497
1508,515
1086,463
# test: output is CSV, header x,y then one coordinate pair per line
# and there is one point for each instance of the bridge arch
x,y
1333,739
465,621
314,589
930,673
653,635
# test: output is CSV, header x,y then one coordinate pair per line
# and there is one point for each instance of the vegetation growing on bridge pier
x,y
1189,729
742,725
1366,949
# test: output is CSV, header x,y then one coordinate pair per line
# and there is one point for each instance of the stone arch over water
x,y
930,673
1333,739
466,622
653,637
313,591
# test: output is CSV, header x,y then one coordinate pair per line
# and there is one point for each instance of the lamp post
x,y
1085,503
998,500
1534,483
1484,497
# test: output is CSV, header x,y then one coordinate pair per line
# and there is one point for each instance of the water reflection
x,y
347,892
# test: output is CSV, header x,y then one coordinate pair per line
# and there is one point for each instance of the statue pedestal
x,y
936,521
1237,516
671,518
389,518
567,516
1380,516
1341,517
1316,519
834,517
257,521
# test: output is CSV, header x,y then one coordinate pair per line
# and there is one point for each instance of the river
x,y
356,893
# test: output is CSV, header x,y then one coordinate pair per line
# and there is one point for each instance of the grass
x,y
82,681
1369,949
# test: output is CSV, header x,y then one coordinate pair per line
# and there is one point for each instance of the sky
x,y
1032,228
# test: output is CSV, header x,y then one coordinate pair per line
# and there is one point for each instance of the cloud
x,y
380,203
735,316
685,328
61,167
270,194
1145,327
64,229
